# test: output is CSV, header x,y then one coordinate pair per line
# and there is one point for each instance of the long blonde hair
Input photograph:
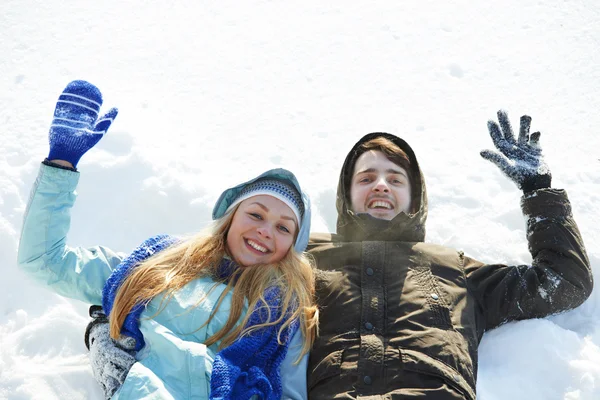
x,y
170,270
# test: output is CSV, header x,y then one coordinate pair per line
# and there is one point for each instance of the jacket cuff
x,y
547,203
63,180
55,165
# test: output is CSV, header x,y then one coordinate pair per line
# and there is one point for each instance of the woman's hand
x,y
62,163
111,359
76,127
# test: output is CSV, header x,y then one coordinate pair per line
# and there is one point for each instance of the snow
x,y
212,93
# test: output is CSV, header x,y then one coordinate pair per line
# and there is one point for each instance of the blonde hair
x,y
170,270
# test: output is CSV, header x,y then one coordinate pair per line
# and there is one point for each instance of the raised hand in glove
x,y
76,127
520,159
111,359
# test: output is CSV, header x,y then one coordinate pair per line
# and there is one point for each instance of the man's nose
x,y
381,185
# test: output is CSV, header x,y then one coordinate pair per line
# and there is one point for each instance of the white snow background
x,y
214,92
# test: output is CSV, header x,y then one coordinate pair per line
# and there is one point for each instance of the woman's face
x,y
262,231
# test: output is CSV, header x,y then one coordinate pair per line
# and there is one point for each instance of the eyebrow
x,y
267,210
389,171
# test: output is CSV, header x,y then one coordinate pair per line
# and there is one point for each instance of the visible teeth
x,y
257,246
380,204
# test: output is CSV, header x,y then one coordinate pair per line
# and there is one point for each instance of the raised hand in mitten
x,y
76,127
520,159
111,359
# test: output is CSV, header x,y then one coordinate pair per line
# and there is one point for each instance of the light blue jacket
x,y
174,364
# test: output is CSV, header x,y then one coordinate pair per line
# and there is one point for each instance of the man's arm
x,y
560,276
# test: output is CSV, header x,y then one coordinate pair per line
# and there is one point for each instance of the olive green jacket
x,y
401,318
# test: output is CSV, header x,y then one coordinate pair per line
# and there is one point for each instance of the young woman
x,y
226,314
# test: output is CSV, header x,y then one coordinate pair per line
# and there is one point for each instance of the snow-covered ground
x,y
211,93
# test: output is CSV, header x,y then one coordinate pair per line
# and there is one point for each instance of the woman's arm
x,y
43,254
293,376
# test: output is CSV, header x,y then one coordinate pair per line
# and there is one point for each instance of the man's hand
x,y
111,360
521,159
76,127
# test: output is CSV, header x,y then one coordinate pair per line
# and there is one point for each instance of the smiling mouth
x,y
251,243
380,205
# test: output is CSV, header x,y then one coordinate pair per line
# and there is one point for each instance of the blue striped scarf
x,y
250,365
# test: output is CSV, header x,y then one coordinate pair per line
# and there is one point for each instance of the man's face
x,y
379,187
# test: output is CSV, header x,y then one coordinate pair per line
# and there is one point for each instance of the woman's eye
x,y
284,229
255,215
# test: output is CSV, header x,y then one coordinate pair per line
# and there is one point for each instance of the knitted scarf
x,y
251,364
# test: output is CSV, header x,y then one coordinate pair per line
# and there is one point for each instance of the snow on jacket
x,y
414,312
174,364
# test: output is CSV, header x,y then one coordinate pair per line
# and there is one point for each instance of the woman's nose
x,y
264,231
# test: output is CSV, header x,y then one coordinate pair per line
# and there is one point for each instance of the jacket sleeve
x,y
559,279
78,273
293,376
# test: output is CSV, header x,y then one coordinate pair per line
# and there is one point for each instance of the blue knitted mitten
x,y
76,127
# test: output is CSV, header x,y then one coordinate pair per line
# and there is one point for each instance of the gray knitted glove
x,y
521,160
111,359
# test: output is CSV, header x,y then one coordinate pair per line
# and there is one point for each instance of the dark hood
x,y
362,227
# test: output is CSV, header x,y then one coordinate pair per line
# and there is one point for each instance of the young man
x,y
401,318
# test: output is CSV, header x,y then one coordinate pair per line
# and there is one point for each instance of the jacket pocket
x,y
328,367
422,363
434,298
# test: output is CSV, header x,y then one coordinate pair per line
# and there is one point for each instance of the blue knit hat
x,y
279,183
273,187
